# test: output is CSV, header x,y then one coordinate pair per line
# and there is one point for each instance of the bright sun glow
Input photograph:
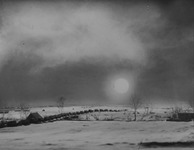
x,y
121,85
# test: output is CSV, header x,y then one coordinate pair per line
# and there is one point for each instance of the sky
x,y
78,48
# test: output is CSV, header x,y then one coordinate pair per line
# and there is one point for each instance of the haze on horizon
x,y
76,48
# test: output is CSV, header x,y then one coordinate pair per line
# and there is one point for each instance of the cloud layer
x,y
67,32
50,49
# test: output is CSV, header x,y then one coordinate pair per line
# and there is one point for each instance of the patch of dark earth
x,y
185,144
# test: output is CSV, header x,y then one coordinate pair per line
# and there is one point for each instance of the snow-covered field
x,y
94,135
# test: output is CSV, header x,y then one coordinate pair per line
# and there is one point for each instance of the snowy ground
x,y
94,135
122,134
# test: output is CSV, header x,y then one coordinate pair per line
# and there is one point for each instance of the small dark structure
x,y
34,118
2,124
12,123
186,116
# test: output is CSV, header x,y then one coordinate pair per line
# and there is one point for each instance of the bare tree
x,y
61,104
135,103
24,109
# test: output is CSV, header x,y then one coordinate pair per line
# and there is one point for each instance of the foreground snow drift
x,y
94,135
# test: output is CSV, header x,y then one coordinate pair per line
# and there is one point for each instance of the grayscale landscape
x,y
96,75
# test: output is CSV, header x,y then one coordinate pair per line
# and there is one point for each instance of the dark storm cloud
x,y
170,71
48,49
82,80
